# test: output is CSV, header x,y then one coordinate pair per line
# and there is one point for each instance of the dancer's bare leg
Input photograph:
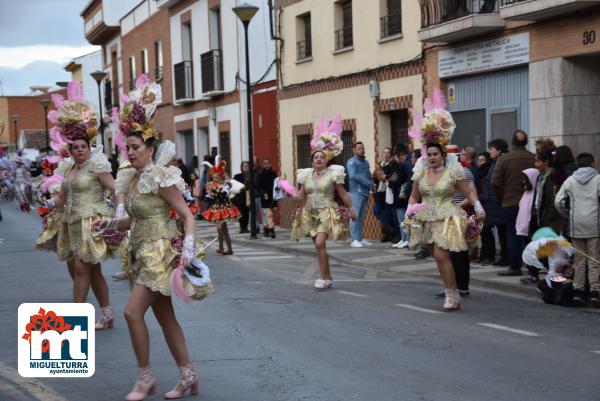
x,y
320,241
139,301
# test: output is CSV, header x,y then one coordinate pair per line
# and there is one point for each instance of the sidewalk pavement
x,y
379,257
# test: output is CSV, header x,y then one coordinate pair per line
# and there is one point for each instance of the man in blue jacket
x,y
360,186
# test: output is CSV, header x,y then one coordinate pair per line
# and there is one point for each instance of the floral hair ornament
x,y
218,168
138,111
327,138
437,125
74,118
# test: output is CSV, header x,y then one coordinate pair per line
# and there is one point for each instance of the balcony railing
x,y
390,25
538,10
211,65
159,73
434,12
108,104
304,49
184,83
343,37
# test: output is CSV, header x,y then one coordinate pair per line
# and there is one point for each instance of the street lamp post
x,y
245,12
98,77
45,103
14,118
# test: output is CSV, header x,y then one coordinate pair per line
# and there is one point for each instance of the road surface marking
x,y
353,294
39,390
12,391
417,308
596,352
510,329
269,257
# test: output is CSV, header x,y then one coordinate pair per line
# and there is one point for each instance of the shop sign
x,y
484,56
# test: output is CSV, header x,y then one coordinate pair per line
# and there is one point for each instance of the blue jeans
x,y
513,242
359,204
400,214
379,211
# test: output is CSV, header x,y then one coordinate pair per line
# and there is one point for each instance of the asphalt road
x,y
266,335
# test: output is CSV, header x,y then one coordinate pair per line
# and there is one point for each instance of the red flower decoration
x,y
44,321
42,211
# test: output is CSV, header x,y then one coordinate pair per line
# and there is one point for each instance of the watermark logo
x,y
56,340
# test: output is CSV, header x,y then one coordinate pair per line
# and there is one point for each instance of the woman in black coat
x,y
240,199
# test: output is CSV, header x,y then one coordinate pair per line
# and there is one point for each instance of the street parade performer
x,y
87,174
158,255
438,222
219,191
320,217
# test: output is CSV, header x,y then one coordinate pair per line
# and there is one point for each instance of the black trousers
x,y
462,269
245,216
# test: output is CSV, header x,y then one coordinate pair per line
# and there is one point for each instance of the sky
x,y
37,39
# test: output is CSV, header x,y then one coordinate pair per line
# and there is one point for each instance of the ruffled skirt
x,y
217,213
310,222
151,263
87,245
48,239
448,233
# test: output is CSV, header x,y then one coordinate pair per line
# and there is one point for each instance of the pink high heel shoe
x,y
452,301
187,379
144,385
107,318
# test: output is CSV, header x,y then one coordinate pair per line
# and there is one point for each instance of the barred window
x,y
303,151
225,150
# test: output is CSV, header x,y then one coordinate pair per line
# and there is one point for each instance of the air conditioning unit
x,y
374,89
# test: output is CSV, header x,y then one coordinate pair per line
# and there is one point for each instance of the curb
x,y
519,289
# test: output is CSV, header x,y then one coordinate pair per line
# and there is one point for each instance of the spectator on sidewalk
x,y
361,184
384,211
398,182
506,184
548,183
185,171
578,198
524,218
242,200
467,156
564,163
266,179
257,198
484,162
494,211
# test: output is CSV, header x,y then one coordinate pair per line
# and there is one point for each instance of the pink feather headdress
x,y
73,118
437,125
327,137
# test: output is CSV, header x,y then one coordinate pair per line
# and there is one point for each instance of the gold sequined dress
x,y
441,222
86,203
151,253
320,212
53,235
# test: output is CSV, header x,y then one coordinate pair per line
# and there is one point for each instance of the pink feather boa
x,y
414,208
288,188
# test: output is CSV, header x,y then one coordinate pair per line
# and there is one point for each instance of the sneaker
x,y
397,244
501,262
403,245
464,293
528,280
595,299
422,254
579,298
510,272
366,243
356,244
440,295
120,275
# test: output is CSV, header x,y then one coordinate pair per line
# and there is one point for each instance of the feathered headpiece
x,y
74,118
327,137
138,111
437,125
218,168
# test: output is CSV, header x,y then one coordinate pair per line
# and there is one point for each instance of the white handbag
x,y
389,196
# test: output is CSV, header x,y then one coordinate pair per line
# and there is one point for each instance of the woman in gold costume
x,y
438,222
155,248
87,175
320,217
